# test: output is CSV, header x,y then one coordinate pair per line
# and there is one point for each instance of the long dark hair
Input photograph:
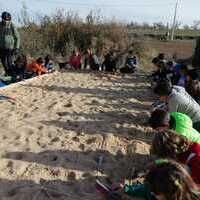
x,y
168,144
170,179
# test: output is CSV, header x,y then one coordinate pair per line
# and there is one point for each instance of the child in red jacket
x,y
75,60
168,144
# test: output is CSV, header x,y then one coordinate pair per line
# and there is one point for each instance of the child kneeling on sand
x,y
49,64
165,180
178,100
169,144
162,120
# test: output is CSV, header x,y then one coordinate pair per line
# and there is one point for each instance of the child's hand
x,y
118,187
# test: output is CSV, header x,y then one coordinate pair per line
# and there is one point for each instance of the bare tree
x,y
24,17
196,25
186,27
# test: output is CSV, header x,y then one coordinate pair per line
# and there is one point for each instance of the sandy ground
x,y
54,133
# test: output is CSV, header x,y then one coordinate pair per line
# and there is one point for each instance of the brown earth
x,y
183,49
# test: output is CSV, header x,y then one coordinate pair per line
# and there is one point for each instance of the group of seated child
x,y
109,63
40,66
77,60
175,174
177,73
21,69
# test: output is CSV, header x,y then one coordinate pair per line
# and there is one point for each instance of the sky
x,y
123,10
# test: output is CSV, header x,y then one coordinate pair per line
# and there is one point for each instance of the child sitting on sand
x,y
75,60
169,144
162,72
37,67
92,60
165,180
48,63
19,67
131,64
110,62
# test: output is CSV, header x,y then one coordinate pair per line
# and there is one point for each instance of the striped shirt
x,y
181,101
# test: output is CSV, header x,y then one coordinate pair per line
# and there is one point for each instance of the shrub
x,y
65,31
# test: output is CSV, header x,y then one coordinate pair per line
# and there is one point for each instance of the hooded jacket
x,y
184,126
181,101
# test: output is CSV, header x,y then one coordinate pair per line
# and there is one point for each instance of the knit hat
x,y
6,16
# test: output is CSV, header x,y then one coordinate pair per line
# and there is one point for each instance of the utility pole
x,y
174,21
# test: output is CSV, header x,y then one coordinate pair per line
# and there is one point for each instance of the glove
x,y
15,51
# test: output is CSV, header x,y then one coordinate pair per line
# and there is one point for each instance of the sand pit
x,y
54,133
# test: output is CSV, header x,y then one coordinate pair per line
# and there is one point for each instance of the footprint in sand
x,y
17,137
91,140
41,127
4,137
26,115
71,176
10,167
63,144
53,105
43,146
61,114
55,172
56,139
10,164
82,147
68,105
27,149
76,139
36,108
30,132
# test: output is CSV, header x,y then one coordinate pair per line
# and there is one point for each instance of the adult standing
x,y
9,42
